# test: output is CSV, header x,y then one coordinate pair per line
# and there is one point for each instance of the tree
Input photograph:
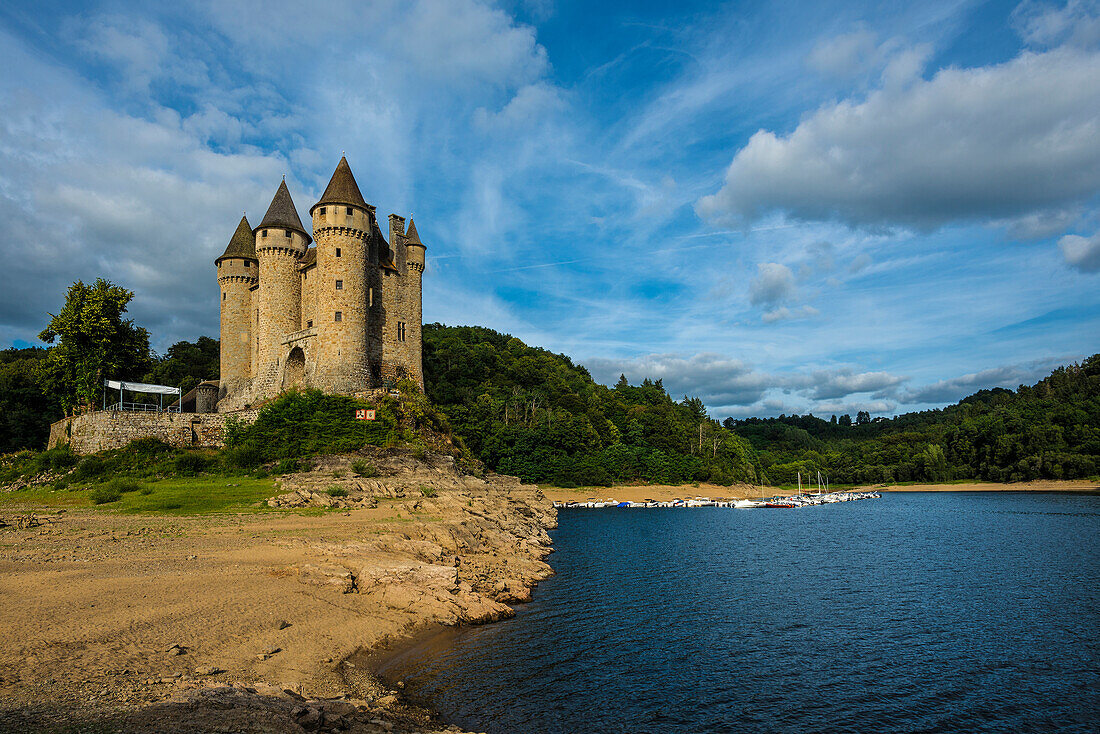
x,y
186,364
25,413
845,420
94,343
863,418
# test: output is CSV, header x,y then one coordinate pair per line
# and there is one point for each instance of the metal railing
x,y
144,408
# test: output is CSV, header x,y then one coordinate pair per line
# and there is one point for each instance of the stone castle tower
x,y
339,310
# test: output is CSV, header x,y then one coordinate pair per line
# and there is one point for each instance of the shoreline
x,y
664,492
156,623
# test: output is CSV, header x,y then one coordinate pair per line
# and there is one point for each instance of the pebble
x,y
282,624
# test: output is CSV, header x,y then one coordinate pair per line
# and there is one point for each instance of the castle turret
x,y
280,240
343,223
414,259
237,274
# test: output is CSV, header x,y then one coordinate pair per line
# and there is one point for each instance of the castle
x,y
338,309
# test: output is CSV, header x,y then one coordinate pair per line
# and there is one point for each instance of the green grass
x,y
177,496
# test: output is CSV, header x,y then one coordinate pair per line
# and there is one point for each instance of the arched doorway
x,y
294,373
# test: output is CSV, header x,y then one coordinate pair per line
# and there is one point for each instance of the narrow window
x,y
322,211
349,211
247,264
337,252
339,315
370,302
309,324
400,331
339,285
264,233
288,233
223,296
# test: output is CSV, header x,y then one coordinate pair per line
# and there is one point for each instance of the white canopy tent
x,y
141,387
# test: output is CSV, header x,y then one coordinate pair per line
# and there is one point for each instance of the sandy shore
x,y
1040,485
665,492
246,622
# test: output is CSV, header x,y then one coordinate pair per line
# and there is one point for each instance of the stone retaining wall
x,y
112,429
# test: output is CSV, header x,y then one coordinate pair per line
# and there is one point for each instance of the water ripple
x,y
916,612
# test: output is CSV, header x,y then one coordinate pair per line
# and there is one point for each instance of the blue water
x,y
915,612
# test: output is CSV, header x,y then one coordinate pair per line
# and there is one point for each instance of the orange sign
x,y
364,415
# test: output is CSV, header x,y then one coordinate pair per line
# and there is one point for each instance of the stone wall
x,y
112,429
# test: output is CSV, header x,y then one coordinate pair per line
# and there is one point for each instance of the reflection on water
x,y
915,612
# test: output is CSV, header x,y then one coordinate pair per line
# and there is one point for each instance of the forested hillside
x,y
1050,430
529,412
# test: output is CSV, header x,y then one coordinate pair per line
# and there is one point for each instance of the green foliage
x,y
1050,430
285,466
25,411
427,491
308,423
123,485
94,342
190,463
527,411
103,494
186,364
363,468
336,491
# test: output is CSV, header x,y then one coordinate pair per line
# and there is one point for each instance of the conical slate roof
x,y
411,236
342,188
282,214
243,243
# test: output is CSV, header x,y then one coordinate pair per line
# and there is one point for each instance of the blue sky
x,y
793,207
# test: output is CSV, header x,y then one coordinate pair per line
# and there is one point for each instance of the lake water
x,y
915,612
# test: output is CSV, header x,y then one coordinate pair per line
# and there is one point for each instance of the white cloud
x,y
774,283
837,384
1008,376
1082,253
845,55
788,314
860,262
1044,24
968,144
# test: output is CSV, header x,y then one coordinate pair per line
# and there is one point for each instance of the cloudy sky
x,y
778,207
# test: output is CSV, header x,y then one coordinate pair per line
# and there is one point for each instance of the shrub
x,y
146,490
419,452
104,494
286,466
260,473
60,483
338,474
243,456
335,491
427,491
363,468
123,485
90,468
190,462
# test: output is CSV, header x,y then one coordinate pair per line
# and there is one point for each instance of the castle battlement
x,y
337,308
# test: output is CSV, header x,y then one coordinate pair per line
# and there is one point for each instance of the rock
x,y
388,726
386,701
177,650
311,719
282,624
208,670
272,650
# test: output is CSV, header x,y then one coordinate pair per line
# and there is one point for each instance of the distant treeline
x,y
526,411
1050,430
